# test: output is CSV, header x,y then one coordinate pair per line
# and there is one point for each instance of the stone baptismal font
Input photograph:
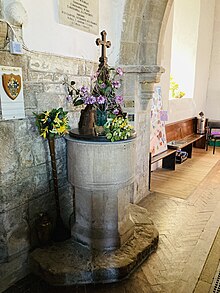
x,y
110,235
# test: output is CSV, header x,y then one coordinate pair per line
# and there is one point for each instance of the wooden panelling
x,y
180,129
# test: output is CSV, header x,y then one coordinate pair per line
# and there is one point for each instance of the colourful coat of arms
x,y
12,85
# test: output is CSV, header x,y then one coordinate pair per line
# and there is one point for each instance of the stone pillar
x,y
102,174
143,79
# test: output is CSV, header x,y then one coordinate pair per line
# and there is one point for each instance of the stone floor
x,y
69,263
206,282
187,230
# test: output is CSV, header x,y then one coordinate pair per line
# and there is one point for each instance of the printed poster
x,y
158,142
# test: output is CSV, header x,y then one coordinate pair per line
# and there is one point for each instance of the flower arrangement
x,y
52,123
118,128
102,96
102,92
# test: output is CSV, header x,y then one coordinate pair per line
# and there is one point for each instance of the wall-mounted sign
x,y
129,103
80,14
11,93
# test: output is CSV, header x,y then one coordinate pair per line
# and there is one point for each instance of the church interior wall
x,y
179,109
184,44
212,103
204,51
48,35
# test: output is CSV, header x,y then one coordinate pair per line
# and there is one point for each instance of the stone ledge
x,y
143,69
70,263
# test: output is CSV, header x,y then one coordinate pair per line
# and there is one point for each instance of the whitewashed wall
x,y
179,109
43,32
166,60
204,48
184,44
213,94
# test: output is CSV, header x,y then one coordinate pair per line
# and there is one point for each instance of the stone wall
x,y
26,185
138,84
142,23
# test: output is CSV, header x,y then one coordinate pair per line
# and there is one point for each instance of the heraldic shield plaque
x,y
11,93
12,85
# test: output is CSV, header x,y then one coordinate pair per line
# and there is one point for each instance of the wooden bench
x,y
184,134
168,158
186,144
180,135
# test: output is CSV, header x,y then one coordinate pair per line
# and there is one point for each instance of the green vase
x,y
101,119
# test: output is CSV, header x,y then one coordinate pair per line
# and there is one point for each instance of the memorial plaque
x,y
129,103
80,14
11,93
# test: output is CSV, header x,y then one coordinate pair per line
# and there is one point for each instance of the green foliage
x,y
118,128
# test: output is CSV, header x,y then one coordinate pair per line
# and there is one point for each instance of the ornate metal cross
x,y
105,44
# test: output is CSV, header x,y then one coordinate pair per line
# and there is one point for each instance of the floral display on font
x,y
102,96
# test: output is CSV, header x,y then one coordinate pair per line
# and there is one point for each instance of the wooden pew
x,y
180,135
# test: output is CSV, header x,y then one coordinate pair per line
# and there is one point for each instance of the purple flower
x,y
69,98
116,84
103,85
119,71
115,111
90,100
84,90
100,100
119,100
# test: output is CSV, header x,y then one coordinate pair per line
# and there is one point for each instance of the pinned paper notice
x,y
163,115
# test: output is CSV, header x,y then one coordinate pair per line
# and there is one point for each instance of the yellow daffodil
x,y
44,132
61,129
57,120
52,123
46,115
65,120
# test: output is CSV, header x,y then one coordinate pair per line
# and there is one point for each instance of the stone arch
x,y
144,24
163,28
143,29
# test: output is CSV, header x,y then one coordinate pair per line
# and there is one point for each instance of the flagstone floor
x,y
187,229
